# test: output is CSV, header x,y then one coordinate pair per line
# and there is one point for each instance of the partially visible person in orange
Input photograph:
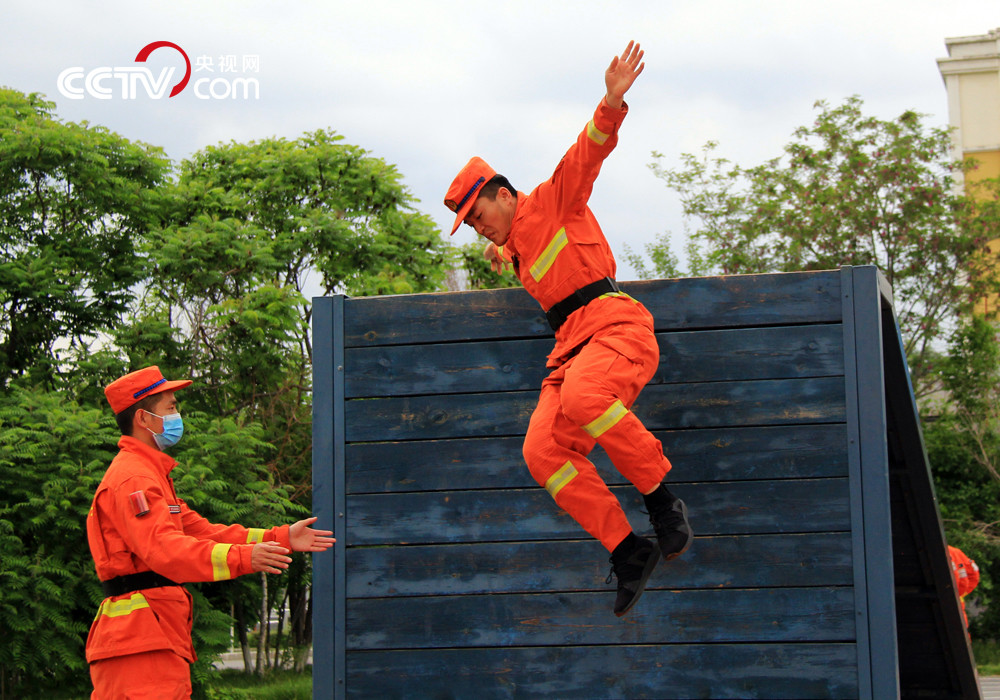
x,y
966,575
146,542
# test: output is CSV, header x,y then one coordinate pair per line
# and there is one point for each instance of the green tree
x,y
204,275
849,190
53,453
74,199
478,272
963,444
247,230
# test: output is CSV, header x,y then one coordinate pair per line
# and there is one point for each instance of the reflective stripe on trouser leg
x,y
599,386
635,452
555,451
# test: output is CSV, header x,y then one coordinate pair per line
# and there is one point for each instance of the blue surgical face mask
x,y
173,428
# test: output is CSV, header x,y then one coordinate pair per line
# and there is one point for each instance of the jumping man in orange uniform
x,y
146,542
605,350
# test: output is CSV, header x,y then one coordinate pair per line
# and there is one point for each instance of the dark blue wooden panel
x,y
772,452
661,617
767,671
821,559
327,444
778,402
732,508
707,302
498,365
927,606
871,517
724,454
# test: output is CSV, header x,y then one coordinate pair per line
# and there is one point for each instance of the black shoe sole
x,y
654,557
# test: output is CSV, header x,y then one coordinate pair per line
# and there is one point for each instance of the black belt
x,y
560,311
120,585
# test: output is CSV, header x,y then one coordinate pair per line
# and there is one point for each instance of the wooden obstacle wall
x,y
783,401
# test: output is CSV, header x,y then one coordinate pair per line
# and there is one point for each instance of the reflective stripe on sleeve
x,y
610,295
607,420
557,481
255,535
595,134
117,608
220,568
548,256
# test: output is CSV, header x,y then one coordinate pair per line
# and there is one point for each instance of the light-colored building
x,y
971,74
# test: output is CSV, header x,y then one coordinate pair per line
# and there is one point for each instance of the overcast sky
x,y
426,85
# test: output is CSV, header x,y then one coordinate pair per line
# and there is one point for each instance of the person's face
x,y
153,418
492,218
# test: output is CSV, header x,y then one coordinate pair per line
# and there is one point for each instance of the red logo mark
x,y
150,48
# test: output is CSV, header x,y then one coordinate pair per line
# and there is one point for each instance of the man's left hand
x,y
622,73
304,539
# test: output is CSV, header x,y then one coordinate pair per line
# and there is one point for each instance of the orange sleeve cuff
x,y
280,535
244,552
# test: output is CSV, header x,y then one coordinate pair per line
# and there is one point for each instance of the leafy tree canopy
x,y
849,190
74,201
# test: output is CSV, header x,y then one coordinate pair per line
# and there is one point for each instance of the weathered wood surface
x,y
771,671
465,580
661,407
725,508
581,618
689,304
718,454
685,357
451,540
739,561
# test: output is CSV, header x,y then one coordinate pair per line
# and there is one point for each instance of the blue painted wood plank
x,y
756,561
876,519
735,508
706,302
723,454
509,365
767,671
778,402
661,617
326,643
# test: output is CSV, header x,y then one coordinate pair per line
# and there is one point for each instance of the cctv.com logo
x,y
131,82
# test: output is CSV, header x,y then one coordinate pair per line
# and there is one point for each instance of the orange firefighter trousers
x,y
587,400
150,675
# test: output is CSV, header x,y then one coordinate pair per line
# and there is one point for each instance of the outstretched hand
x,y
269,557
304,539
622,72
496,259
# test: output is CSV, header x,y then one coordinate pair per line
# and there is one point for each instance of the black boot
x,y
668,515
632,562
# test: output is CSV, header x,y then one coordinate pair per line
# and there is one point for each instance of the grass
x,y
276,685
987,653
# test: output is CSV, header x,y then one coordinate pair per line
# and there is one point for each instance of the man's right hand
x,y
497,261
269,557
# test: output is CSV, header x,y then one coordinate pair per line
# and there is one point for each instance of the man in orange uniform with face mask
x,y
146,542
605,350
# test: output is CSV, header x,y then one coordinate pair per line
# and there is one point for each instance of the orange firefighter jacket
x,y
965,570
171,539
966,576
557,245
